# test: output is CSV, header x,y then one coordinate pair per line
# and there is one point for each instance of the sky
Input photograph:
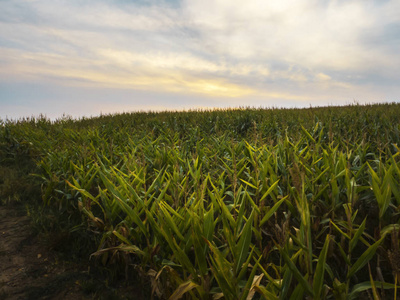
x,y
85,58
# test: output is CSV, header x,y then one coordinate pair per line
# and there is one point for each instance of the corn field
x,y
230,204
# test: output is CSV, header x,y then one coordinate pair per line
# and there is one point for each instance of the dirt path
x,y
28,270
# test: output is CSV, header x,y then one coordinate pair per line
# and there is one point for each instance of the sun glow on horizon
x,y
196,52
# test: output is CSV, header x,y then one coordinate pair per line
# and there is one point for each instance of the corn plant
x,y
233,204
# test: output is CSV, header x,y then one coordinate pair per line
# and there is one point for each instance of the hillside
x,y
232,204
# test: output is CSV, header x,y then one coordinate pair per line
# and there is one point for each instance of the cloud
x,y
306,33
291,50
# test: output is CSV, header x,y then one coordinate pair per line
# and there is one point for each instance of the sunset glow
x,y
80,58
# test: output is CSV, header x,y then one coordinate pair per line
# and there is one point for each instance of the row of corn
x,y
276,208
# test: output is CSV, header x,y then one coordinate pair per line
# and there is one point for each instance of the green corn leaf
x,y
321,174
170,222
242,210
225,211
388,229
253,204
320,270
153,184
76,186
121,237
298,293
364,258
308,134
272,280
272,210
138,178
131,214
247,288
109,185
242,248
344,255
358,288
376,182
387,192
222,270
200,247
395,190
359,232
270,189
129,188
340,174
89,182
338,229
209,223
388,176
297,273
321,191
244,270
153,224
171,210
178,252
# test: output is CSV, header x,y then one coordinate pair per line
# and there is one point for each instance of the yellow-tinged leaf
x,y
256,281
218,296
265,293
182,289
374,291
248,183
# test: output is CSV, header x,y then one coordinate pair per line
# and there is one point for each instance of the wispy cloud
x,y
298,51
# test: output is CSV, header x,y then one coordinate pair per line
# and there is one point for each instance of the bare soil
x,y
29,269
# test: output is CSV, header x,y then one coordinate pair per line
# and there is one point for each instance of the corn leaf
x,y
320,270
182,289
364,258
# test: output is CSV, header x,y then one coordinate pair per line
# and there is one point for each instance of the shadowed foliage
x,y
233,204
